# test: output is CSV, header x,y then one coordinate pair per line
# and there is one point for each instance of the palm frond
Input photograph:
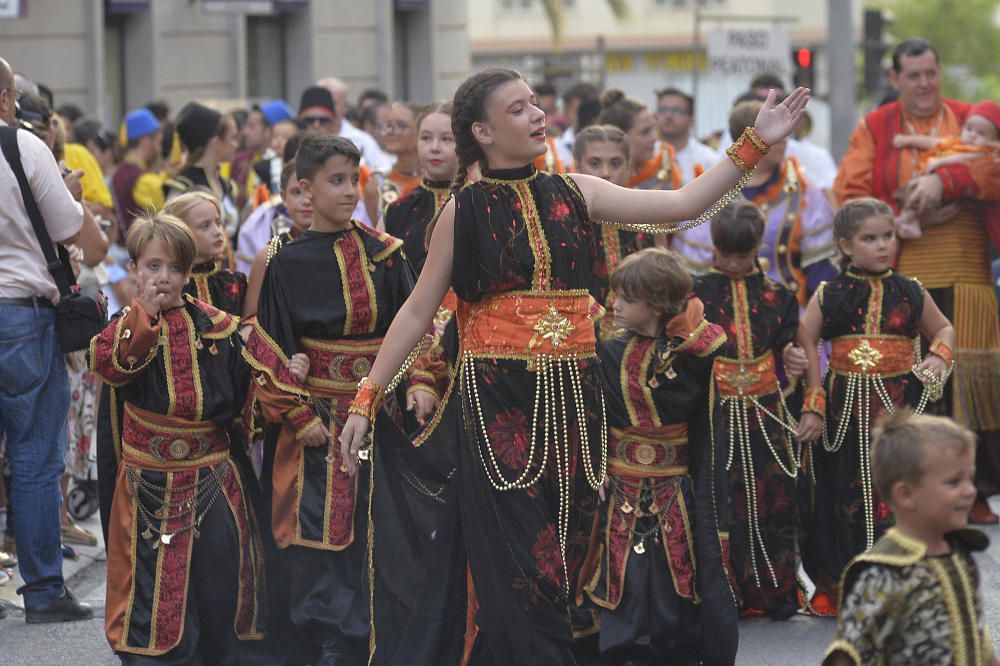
x,y
619,8
554,12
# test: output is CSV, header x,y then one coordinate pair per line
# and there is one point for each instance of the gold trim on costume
x,y
542,273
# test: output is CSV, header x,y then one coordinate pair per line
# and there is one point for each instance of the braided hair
x,y
468,108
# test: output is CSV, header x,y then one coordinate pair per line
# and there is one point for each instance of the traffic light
x,y
804,61
874,47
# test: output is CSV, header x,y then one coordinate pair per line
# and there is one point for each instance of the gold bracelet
x,y
815,401
940,348
367,400
748,150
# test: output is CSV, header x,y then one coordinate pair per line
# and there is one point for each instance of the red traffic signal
x,y
804,57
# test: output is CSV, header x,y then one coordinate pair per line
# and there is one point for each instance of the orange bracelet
x,y
748,150
940,348
367,400
815,401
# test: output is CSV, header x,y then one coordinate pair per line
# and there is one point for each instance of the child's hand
x,y
298,365
149,296
776,122
317,435
810,427
934,366
351,438
422,404
795,360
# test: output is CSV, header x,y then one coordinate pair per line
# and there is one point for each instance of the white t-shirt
x,y
564,146
22,264
694,153
372,154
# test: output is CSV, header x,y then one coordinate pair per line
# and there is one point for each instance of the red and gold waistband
x,y
528,324
338,365
651,452
746,377
169,443
884,355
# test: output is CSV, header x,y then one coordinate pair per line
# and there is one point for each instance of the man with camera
x,y
34,393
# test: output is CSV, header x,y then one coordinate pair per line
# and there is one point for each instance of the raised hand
x,y
777,122
148,295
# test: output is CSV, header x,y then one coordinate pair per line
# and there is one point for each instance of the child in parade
x,y
300,212
208,139
603,151
184,556
798,238
915,598
525,413
656,562
318,518
408,217
760,318
872,316
210,282
979,140
384,187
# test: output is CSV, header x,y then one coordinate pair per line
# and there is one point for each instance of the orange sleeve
x,y
854,178
125,347
986,173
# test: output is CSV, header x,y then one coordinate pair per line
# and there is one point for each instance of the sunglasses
x,y
316,120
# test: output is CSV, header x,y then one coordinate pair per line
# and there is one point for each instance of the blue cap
x,y
139,123
275,111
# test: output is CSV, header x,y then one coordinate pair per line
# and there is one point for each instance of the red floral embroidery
x,y
898,319
508,435
548,556
559,210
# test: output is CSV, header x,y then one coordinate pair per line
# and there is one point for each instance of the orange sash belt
x,y
169,443
650,452
888,355
527,324
338,366
736,377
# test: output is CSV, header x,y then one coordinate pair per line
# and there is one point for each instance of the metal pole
x,y
840,55
695,47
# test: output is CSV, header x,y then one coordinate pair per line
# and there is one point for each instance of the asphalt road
x,y
800,640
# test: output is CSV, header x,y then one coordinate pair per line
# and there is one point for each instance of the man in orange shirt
x,y
951,259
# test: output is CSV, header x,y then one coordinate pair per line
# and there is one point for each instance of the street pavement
x,y
796,642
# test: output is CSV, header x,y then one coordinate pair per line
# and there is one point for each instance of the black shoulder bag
x,y
78,318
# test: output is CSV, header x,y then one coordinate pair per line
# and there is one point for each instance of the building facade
x,y
659,43
109,56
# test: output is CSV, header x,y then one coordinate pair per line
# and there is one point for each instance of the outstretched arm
x,y
408,327
606,201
